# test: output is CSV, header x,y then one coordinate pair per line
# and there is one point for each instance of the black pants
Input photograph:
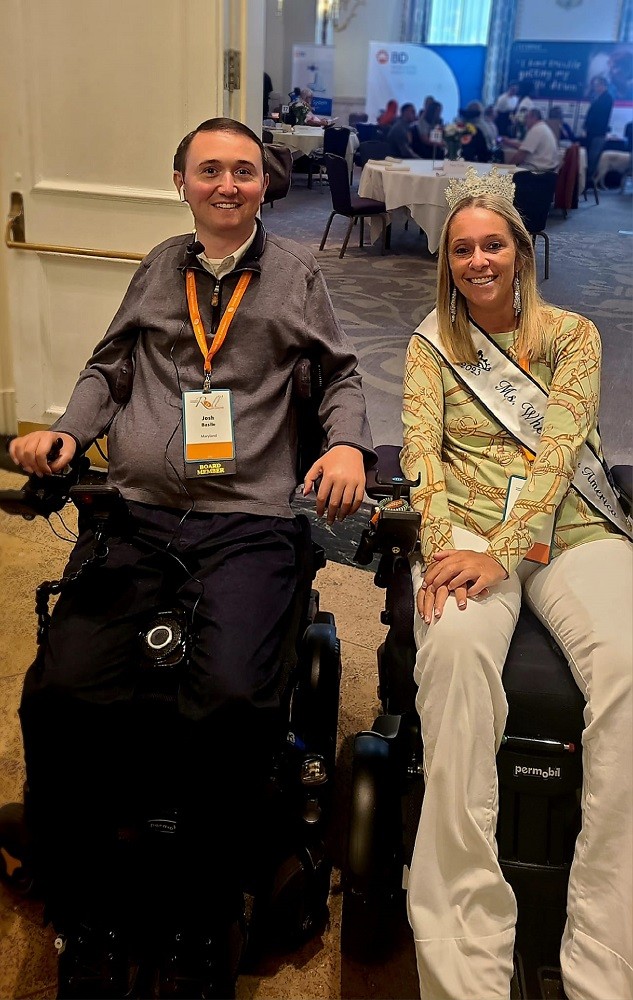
x,y
234,575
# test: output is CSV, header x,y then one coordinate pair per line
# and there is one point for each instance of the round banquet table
x,y
418,186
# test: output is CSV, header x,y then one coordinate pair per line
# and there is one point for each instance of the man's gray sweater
x,y
132,384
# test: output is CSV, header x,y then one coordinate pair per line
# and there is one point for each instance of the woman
x,y
430,119
475,566
387,117
474,148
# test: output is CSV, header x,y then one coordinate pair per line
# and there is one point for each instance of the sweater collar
x,y
249,262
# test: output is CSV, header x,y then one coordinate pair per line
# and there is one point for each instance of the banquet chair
x,y
335,140
267,135
372,149
566,191
533,198
352,206
368,131
279,172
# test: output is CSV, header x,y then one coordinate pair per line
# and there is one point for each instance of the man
x,y
538,150
399,135
504,106
596,124
219,319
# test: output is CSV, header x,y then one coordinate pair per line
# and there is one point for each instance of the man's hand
x,y
32,450
342,486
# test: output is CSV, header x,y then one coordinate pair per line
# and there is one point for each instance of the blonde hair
x,y
456,337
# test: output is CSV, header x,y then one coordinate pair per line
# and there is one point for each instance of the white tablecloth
x,y
304,138
420,189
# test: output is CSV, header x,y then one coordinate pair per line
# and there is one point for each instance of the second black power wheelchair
x,y
288,900
539,763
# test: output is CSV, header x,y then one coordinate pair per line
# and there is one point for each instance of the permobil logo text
x,y
536,772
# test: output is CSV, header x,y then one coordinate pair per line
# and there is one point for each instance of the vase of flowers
x,y
457,135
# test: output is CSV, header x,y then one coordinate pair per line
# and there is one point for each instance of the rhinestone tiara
x,y
473,184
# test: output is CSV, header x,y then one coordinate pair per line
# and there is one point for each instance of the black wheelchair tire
x,y
372,882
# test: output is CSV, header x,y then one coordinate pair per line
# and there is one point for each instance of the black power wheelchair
x,y
287,902
539,763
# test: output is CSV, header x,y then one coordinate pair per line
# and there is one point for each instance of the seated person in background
x,y
488,126
399,135
303,112
227,540
387,117
565,548
615,162
430,118
524,104
538,150
559,126
474,149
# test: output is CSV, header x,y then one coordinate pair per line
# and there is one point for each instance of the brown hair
x,y
217,125
456,336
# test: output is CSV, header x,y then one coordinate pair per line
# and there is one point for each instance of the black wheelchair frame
x,y
539,763
292,905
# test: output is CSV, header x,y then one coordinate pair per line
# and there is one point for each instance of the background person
x,y
596,124
387,117
475,149
504,108
399,135
474,569
558,125
225,543
538,150
488,125
430,118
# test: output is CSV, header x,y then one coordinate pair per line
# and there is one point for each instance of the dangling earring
x,y
516,301
453,306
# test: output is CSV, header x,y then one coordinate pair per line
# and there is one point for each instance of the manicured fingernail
x,y
437,612
427,619
461,604
424,585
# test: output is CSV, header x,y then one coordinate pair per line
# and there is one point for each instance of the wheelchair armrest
x,y
43,495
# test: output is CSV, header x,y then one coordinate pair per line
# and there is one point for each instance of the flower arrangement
x,y
456,135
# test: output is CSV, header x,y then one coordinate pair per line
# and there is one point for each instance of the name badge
x,y
209,441
541,551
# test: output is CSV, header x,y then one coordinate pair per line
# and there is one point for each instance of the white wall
x,y
274,47
374,21
589,21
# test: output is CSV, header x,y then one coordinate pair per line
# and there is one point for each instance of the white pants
x,y
461,909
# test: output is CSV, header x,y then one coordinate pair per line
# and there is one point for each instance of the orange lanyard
x,y
208,353
524,363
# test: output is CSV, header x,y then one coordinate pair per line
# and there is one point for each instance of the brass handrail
x,y
15,238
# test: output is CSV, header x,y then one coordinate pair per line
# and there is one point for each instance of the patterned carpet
x,y
380,300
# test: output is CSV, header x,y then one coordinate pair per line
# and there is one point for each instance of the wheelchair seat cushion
x,y
543,698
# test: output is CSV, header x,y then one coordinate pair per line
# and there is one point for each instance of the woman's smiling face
x,y
483,262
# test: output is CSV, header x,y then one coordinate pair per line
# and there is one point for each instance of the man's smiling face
x,y
224,184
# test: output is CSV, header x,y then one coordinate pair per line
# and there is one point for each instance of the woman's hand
x,y
460,571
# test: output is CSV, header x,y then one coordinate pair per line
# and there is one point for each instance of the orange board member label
x,y
209,441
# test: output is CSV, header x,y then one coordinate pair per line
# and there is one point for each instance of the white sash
x,y
518,403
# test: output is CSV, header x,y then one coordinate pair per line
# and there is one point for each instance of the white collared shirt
x,y
219,267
